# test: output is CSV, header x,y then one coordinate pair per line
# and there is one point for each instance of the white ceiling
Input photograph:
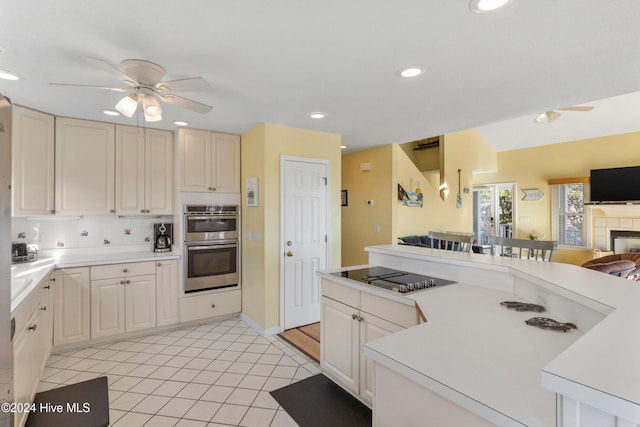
x,y
277,60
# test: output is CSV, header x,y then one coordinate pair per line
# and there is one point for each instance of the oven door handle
x,y
200,248
210,216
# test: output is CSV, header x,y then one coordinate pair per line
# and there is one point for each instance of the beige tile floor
x,y
217,374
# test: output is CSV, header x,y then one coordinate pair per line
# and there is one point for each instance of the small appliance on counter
x,y
20,252
162,236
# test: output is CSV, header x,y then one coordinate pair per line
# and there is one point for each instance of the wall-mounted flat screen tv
x,y
615,184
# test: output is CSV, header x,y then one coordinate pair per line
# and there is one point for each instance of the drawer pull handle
x,y
360,319
47,287
33,328
159,265
127,281
354,316
44,308
53,279
122,282
213,306
125,270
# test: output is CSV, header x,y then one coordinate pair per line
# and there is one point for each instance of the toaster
x,y
20,253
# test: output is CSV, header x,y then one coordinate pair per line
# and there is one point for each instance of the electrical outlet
x,y
542,298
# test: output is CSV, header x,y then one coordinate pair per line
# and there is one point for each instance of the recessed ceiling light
x,y
111,113
181,123
343,147
7,75
482,6
412,71
317,115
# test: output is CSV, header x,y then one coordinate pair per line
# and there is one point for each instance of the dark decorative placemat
x,y
546,323
522,306
318,402
84,404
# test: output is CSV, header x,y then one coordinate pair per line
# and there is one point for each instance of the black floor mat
x,y
318,401
84,404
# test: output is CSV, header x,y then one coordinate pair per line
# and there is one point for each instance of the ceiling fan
x,y
146,86
553,115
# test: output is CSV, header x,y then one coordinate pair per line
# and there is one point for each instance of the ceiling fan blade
x,y
577,108
192,84
113,89
186,103
113,70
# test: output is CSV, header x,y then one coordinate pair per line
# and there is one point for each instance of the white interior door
x,y
304,239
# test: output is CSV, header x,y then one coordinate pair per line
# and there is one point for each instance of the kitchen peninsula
x,y
478,363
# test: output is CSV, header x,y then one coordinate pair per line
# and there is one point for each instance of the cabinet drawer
x,y
122,270
341,293
395,312
209,305
35,300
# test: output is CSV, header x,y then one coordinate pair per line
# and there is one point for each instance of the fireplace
x,y
623,241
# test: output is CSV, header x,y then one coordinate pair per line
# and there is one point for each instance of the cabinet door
x,y
130,163
71,306
47,318
225,176
32,162
340,343
140,302
167,293
195,160
159,172
107,307
85,167
371,328
24,369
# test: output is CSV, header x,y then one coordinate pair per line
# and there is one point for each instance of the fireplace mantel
x,y
632,209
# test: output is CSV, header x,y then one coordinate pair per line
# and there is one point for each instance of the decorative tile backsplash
x,y
84,232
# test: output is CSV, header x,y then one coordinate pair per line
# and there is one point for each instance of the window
x,y
568,219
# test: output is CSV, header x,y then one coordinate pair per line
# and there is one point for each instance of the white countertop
x,y
473,350
26,276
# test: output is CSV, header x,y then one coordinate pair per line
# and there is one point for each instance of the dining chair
x,y
451,241
533,249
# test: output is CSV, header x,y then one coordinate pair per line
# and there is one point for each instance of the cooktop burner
x,y
393,280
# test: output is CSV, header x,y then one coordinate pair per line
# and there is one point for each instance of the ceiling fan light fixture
x,y
483,6
8,75
317,115
152,108
181,123
111,112
547,117
127,106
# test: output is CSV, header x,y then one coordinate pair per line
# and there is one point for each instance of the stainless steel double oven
x,y
212,257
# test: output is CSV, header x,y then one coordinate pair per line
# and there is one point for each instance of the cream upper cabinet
x,y
144,171
32,162
85,167
209,161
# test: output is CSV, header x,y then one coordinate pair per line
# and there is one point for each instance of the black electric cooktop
x,y
393,280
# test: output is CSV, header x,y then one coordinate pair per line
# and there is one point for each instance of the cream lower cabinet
x,y
349,319
31,343
167,293
214,304
72,304
123,298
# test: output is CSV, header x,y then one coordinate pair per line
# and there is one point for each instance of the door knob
x,y
289,253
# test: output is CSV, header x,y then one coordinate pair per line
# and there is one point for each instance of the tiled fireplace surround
x,y
604,226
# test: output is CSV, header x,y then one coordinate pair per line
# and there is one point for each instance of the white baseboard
x,y
259,329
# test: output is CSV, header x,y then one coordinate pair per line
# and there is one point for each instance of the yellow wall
x,y
261,151
391,165
358,218
533,167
